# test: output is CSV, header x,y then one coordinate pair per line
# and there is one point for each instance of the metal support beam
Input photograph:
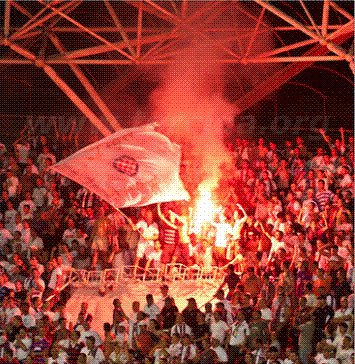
x,y
255,32
86,29
331,46
63,86
21,9
139,29
309,16
119,26
76,100
325,18
91,51
88,86
341,10
35,22
184,8
284,75
7,18
287,48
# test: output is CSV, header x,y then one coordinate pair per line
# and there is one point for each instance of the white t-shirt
x,y
91,359
152,311
239,333
23,152
5,236
26,202
346,356
12,184
36,243
19,353
223,232
56,274
38,195
221,354
266,314
219,330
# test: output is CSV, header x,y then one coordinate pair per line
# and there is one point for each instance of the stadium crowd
x,y
284,237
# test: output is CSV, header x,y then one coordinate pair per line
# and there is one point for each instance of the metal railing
x,y
172,272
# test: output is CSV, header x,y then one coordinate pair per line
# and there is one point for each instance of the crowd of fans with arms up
x,y
283,235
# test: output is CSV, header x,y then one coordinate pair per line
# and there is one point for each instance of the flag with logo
x,y
132,167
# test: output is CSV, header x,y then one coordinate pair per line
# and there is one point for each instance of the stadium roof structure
x,y
77,44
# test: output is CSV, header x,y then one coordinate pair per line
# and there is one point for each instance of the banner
x,y
132,167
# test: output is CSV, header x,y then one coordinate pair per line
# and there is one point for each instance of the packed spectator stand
x,y
283,241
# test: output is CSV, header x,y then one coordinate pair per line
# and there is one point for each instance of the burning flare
x,y
205,209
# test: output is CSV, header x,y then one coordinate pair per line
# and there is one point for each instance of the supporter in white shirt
x,y
226,304
164,289
120,331
222,356
160,352
149,232
239,331
10,217
180,327
55,357
11,184
120,354
223,232
27,201
39,193
35,264
56,277
237,336
70,233
218,327
36,242
22,148
154,257
92,351
188,350
41,160
7,283
346,352
21,345
35,284
344,313
28,320
46,311
26,232
5,235
151,309
12,310
88,332
175,348
329,355
273,356
31,166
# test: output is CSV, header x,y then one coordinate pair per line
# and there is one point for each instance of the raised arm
x,y
342,137
72,130
264,231
56,130
242,210
164,219
325,136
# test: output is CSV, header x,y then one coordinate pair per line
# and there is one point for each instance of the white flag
x,y
132,167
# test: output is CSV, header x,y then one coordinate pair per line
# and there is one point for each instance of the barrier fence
x,y
171,272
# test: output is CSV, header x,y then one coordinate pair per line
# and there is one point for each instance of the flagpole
x,y
129,220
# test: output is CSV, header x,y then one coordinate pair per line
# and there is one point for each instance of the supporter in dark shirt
x,y
168,313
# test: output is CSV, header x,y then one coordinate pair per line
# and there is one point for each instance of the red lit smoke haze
x,y
190,109
194,99
190,104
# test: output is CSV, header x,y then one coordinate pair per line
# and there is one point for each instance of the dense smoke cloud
x,y
191,105
190,108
